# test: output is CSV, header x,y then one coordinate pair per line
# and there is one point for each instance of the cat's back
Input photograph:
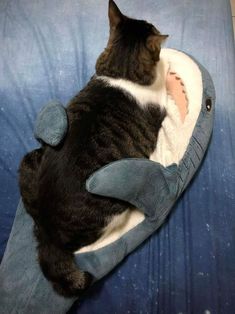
x,y
106,123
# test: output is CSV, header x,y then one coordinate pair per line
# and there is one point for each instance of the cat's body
x,y
113,117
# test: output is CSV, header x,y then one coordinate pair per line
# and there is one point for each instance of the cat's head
x,y
133,49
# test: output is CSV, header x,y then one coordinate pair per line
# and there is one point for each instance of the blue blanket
x,y
48,50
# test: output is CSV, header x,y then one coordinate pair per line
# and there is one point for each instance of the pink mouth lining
x,y
176,89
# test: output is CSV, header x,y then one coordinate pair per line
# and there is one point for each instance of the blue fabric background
x,y
48,51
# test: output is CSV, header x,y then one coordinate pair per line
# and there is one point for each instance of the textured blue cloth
x,y
48,51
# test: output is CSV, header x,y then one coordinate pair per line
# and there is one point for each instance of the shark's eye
x,y
208,104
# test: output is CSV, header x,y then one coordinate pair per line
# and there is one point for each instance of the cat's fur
x,y
106,123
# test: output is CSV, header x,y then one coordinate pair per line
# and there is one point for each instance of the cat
x,y
114,116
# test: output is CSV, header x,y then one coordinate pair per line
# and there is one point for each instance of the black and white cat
x,y
115,116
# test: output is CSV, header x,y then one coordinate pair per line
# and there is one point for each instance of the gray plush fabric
x,y
51,124
149,186
152,188
23,288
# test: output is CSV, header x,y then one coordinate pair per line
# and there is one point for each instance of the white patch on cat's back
x,y
144,95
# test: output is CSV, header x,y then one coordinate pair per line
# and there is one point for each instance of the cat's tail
x,y
59,267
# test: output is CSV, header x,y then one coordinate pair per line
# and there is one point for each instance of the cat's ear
x,y
154,41
115,15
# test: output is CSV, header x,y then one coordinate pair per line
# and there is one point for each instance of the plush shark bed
x,y
153,186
